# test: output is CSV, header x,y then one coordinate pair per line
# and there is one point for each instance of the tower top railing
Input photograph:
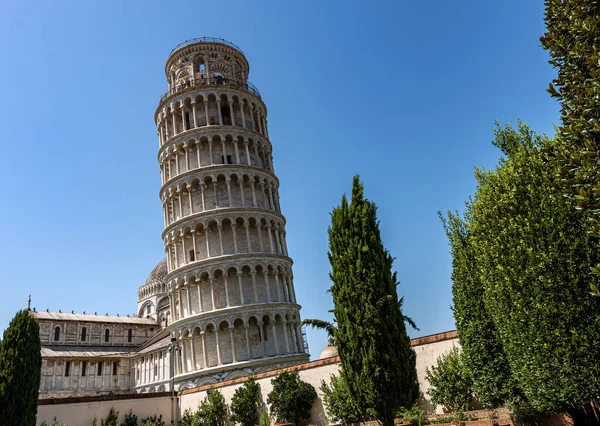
x,y
207,40
249,87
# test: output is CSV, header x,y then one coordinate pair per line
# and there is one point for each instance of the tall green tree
x,y
482,350
291,398
573,40
20,368
532,253
371,337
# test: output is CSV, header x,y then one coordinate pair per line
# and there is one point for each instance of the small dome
x,y
159,272
328,352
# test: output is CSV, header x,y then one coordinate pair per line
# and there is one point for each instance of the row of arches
x,y
206,151
210,109
225,287
223,190
224,236
225,341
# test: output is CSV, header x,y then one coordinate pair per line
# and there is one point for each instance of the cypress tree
x,y
21,363
371,338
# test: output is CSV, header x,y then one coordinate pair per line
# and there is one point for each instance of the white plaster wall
x,y
427,356
81,414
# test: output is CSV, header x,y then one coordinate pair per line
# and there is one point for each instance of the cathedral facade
x,y
222,303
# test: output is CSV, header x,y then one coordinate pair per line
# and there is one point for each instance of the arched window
x,y
83,334
106,335
57,334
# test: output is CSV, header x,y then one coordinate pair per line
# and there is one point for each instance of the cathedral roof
x,y
159,272
60,316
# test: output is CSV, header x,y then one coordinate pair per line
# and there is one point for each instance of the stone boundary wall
x,y
79,411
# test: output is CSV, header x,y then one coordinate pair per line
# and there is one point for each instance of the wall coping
x,y
97,398
434,338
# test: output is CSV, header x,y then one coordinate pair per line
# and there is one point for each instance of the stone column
x,y
193,351
231,112
299,339
248,159
174,122
226,289
206,113
206,237
228,182
266,275
241,284
210,152
242,191
260,238
220,228
194,113
286,337
199,289
270,238
212,293
183,126
248,241
248,348
253,273
198,154
215,193
261,325
275,337
190,200
235,245
187,157
243,115
189,300
237,151
217,332
202,186
219,111
253,194
224,151
204,354
234,356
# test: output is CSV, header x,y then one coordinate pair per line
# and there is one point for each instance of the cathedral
x,y
222,304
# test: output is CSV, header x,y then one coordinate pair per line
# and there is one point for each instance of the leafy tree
x,y
213,409
245,404
532,253
371,338
291,398
329,327
450,381
573,40
338,401
189,418
480,342
21,364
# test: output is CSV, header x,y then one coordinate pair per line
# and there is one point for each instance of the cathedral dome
x,y
159,272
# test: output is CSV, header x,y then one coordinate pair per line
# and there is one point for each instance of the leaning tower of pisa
x,y
229,278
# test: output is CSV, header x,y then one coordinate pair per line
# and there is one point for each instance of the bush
x,y
130,419
264,419
112,419
451,383
245,404
291,399
189,418
153,421
213,410
338,400
415,415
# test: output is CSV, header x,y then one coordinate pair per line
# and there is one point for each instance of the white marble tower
x,y
232,304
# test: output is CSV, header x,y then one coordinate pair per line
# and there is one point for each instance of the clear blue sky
x,y
403,93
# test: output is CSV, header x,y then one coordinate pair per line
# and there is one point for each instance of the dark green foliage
x,y
450,381
415,415
112,419
531,253
130,419
153,421
338,401
291,399
213,410
573,40
329,327
481,346
371,339
245,404
21,364
189,418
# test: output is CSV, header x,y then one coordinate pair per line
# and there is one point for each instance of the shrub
x,y
245,404
112,419
213,410
189,418
264,419
130,419
291,399
338,400
451,383
153,421
415,415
